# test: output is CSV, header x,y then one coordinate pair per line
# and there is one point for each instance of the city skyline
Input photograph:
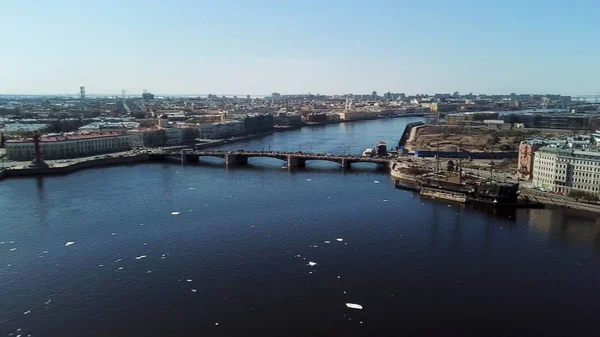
x,y
236,48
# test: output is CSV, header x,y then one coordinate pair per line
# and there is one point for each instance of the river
x,y
101,252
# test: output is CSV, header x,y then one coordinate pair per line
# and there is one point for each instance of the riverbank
x,y
559,201
60,170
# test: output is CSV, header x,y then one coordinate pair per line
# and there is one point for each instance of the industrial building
x,y
555,121
470,117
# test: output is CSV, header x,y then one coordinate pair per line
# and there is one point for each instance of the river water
x,y
99,253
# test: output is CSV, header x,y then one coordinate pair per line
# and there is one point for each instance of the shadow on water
x,y
41,200
566,226
278,165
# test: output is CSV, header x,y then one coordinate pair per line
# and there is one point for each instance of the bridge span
x,y
292,159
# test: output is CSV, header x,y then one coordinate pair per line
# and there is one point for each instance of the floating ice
x,y
12,249
120,268
140,257
354,306
385,200
48,302
297,256
69,243
113,233
191,188
189,280
327,241
339,277
312,264
174,213
376,181
45,252
216,323
339,239
194,290
118,260
449,206
27,312
149,272
308,179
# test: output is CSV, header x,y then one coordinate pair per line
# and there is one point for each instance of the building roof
x,y
63,138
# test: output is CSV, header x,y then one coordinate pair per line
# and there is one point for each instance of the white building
x,y
562,169
109,126
68,146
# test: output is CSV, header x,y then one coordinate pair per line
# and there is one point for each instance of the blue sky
x,y
329,47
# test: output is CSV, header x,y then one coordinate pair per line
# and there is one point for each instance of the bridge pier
x,y
189,158
233,159
295,162
346,164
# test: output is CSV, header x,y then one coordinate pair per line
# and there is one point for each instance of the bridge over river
x,y
292,159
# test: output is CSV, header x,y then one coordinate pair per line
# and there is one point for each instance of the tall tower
x,y
37,161
82,92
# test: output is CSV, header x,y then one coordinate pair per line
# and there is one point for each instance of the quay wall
x,y
75,167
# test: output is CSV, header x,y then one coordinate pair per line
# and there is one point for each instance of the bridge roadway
x,y
293,159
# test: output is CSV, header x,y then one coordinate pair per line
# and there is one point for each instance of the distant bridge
x,y
293,159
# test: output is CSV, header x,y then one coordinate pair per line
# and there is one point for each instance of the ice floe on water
x,y
174,213
216,323
27,312
194,290
189,280
376,181
312,264
12,249
113,233
339,239
120,268
385,200
140,257
191,188
308,179
327,241
69,243
354,306
48,302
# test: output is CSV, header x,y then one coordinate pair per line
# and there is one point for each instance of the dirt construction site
x,y
474,138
